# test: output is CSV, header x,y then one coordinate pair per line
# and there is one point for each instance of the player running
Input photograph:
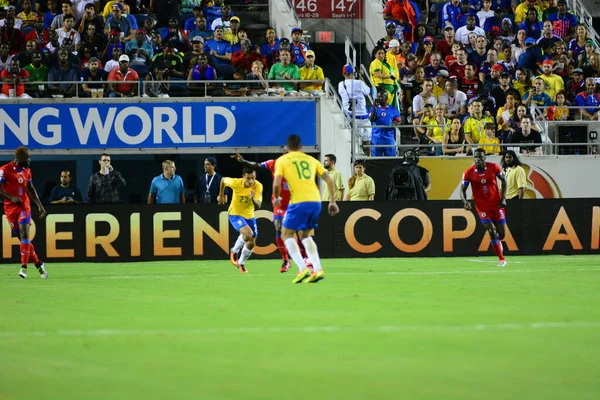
x,y
489,201
299,170
17,189
247,196
278,211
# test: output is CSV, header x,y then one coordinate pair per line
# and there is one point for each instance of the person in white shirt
x,y
454,100
353,89
67,31
485,12
462,33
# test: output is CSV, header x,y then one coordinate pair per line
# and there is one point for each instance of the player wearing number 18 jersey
x,y
489,200
300,171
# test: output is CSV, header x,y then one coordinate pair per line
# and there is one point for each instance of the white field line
x,y
309,329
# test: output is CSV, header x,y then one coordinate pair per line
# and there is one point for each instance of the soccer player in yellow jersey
x,y
247,196
300,171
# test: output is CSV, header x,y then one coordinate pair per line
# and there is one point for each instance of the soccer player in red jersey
x,y
17,189
278,211
489,200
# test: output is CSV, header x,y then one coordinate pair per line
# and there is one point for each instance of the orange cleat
x,y
242,269
285,266
233,257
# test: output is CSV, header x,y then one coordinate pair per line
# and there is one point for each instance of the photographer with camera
x,y
353,92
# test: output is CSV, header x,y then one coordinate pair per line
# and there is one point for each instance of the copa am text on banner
x,y
153,125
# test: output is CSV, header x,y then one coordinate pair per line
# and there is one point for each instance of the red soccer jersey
x,y
14,181
285,189
484,186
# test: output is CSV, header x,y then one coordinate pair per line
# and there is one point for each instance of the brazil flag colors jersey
x,y
300,170
241,203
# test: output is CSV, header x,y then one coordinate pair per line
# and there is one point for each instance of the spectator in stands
x,y
487,101
470,85
500,91
311,72
231,34
4,56
489,142
475,123
170,62
39,34
589,98
454,140
383,114
67,9
454,100
444,46
259,88
458,68
521,11
284,71
552,82
390,34
439,125
104,186
450,12
522,83
91,37
174,34
108,7
352,92
450,60
214,11
505,116
561,112
65,193
139,50
577,44
86,52
485,13
518,47
224,20
11,76
190,23
584,58
207,188
49,51
462,33
423,98
153,87
201,72
51,13
89,17
485,68
563,22
575,86
73,59
506,32
167,188
114,62
493,81
94,74
114,42
190,57
38,72
123,74
149,24
465,11
405,14
200,30
472,43
27,16
538,96
270,48
424,51
25,55
297,47
479,56
67,31
531,57
361,187
439,84
64,71
532,25
13,36
391,57
245,57
528,135
10,12
382,77
547,38
117,22
218,48
156,43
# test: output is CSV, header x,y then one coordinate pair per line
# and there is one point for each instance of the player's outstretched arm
x,y
250,164
332,207
36,199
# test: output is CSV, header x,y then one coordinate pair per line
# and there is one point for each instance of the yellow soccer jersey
x,y
241,203
299,170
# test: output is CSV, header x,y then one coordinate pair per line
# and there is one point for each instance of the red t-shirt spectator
x,y
23,74
117,75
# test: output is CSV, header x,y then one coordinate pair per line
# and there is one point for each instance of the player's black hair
x,y
294,143
479,150
515,157
21,152
247,170
331,157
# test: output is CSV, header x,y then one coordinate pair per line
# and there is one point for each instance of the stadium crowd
x,y
113,46
470,71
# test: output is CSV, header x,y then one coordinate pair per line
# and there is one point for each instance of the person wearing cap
x,y
108,7
392,55
190,58
439,83
563,22
224,20
283,71
123,74
63,71
139,50
575,85
88,16
297,47
352,92
190,23
39,34
116,21
27,16
311,72
94,74
462,33
390,30
526,5
114,42
584,59
493,80
589,98
531,56
406,15
10,12
219,48
552,82
450,11
231,34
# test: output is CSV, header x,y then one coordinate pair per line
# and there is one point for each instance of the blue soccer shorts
x,y
239,222
302,216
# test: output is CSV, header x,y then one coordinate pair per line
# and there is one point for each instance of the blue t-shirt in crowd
x,y
71,193
167,191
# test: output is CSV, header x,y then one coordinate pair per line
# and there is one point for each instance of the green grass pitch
x,y
437,328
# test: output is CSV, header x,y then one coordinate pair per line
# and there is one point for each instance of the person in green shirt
x,y
38,72
338,181
285,70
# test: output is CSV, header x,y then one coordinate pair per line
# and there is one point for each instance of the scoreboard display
x,y
334,9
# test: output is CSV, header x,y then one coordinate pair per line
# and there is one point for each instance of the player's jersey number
x,y
244,199
303,170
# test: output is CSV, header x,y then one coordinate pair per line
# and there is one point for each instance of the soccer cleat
x,y
302,275
42,270
308,264
23,273
315,277
285,266
242,269
502,263
233,257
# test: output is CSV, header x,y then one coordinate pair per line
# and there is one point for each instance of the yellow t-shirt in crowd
x,y
489,141
515,179
377,65
438,131
475,127
364,187
300,170
552,85
520,87
338,184
312,74
241,203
